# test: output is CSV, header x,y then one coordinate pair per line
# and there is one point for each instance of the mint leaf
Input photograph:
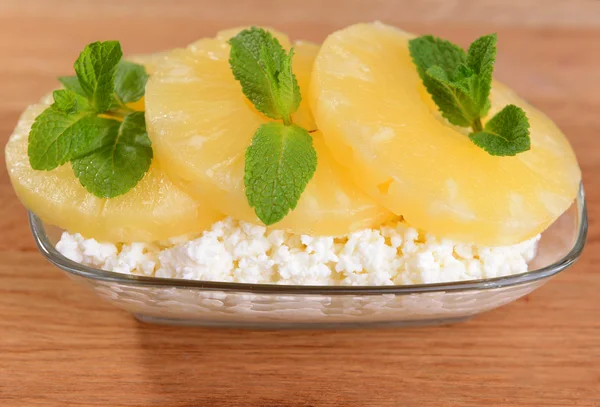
x,y
72,83
481,58
505,134
279,164
288,91
428,51
121,160
57,136
438,63
95,70
463,74
65,100
130,81
70,102
466,81
261,65
453,99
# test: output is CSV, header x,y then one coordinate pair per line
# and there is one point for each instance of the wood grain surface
x,y
60,346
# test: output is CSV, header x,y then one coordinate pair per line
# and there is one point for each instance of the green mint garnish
x,y
57,136
68,101
264,69
507,133
459,83
120,160
130,81
95,69
279,163
481,58
281,159
90,126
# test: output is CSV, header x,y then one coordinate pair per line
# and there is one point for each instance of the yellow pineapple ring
x,y
379,121
200,125
153,210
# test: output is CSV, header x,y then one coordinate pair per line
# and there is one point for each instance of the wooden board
x,y
60,346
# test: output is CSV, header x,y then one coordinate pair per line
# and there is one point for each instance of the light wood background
x,y
60,346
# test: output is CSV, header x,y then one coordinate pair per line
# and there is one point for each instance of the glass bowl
x,y
185,302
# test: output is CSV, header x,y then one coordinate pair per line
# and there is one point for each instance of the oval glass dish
x,y
207,303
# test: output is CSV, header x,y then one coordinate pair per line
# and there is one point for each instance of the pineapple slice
x,y
380,122
154,210
200,125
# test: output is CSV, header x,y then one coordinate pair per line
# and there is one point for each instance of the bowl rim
x,y
53,256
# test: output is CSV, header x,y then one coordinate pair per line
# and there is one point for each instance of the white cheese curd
x,y
237,251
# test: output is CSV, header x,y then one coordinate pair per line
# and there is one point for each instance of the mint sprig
x,y
90,125
459,83
281,159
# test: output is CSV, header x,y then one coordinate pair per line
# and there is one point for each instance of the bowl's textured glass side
x,y
193,306
232,304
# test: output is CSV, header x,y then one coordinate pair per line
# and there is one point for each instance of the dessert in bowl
x,y
377,178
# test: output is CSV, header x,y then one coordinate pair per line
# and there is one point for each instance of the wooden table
x,y
60,346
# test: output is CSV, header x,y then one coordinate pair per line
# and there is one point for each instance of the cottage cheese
x,y
237,251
